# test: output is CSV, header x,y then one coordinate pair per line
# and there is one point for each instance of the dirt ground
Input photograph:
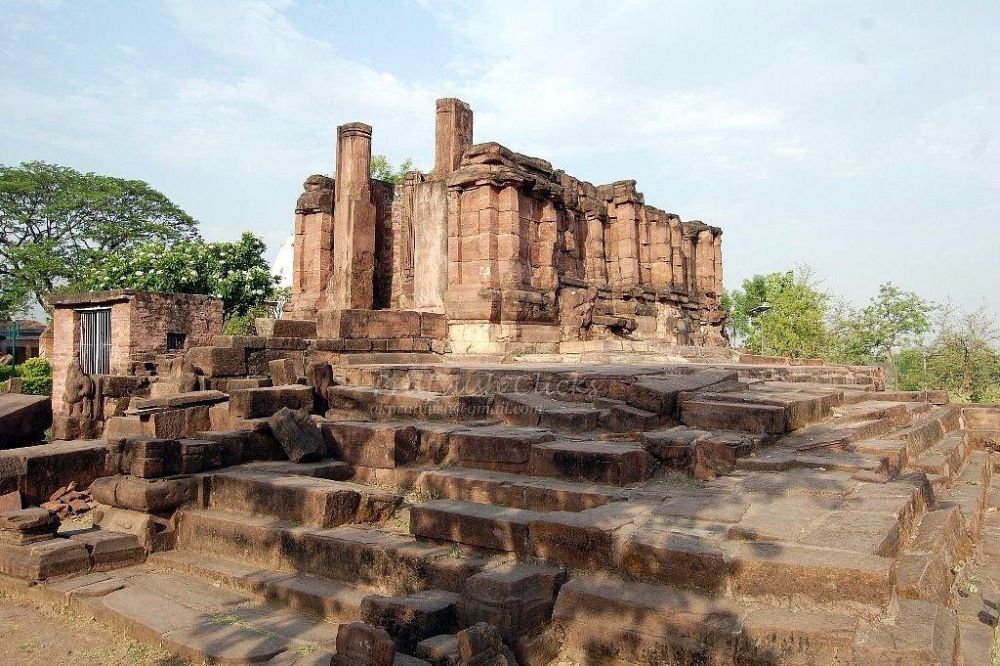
x,y
35,634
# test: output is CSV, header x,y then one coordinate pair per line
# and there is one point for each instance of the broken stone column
x,y
705,262
313,246
453,134
717,247
678,277
353,280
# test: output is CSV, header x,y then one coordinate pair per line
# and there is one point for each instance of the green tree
x,y
893,318
236,272
381,169
56,223
780,314
962,358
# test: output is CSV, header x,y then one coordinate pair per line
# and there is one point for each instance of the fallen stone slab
x,y
23,418
145,495
298,434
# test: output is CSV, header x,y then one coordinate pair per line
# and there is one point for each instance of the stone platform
x,y
736,513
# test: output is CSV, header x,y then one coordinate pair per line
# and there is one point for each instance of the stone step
x,y
659,394
970,491
534,409
500,448
381,403
943,461
307,500
742,417
361,556
194,619
801,408
605,620
486,526
383,445
518,491
928,430
309,594
613,463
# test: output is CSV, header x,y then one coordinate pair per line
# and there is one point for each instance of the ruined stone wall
x,y
140,324
495,239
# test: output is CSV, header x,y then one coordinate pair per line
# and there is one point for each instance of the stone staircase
x,y
822,524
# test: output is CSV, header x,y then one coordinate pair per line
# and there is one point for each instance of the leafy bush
x,y
38,367
243,324
35,374
236,272
36,385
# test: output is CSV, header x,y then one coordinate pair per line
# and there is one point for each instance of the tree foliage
x,y
962,358
794,323
891,319
382,169
56,223
236,272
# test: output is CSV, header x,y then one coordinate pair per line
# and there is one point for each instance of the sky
x,y
860,138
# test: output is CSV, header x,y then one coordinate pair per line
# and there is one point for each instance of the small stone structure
x,y
512,250
139,328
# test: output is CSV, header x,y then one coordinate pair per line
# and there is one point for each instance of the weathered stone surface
x,y
25,526
412,618
285,328
383,445
41,470
482,645
299,436
360,644
43,559
23,418
263,402
110,550
145,495
218,361
516,598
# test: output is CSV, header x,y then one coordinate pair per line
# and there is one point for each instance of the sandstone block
x,y
383,445
110,550
43,559
515,598
285,328
218,361
412,618
298,434
360,644
263,402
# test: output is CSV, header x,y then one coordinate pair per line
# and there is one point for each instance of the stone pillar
x,y
623,244
705,262
453,134
353,279
659,252
595,264
313,249
717,243
677,279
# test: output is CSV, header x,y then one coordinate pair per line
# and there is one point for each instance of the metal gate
x,y
95,341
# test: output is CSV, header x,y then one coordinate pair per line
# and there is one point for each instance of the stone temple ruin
x,y
510,250
498,426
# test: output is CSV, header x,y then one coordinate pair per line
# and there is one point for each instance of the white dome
x,y
283,262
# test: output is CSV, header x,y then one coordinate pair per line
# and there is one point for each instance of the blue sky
x,y
861,138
